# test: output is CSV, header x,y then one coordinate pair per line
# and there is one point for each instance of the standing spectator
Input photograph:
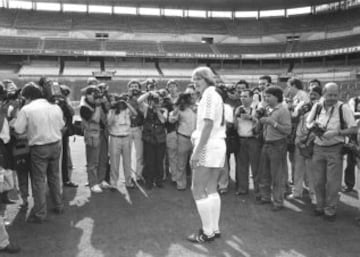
x,y
119,147
303,163
273,162
349,176
326,118
263,83
66,155
171,136
185,118
208,156
43,123
94,123
134,91
5,245
154,138
249,145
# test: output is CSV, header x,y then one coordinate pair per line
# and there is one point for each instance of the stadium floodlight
x,y
124,10
42,6
149,11
197,13
100,9
299,11
173,12
221,14
246,14
74,8
20,5
272,13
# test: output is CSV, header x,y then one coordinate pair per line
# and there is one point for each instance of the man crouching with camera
x,y
120,145
43,123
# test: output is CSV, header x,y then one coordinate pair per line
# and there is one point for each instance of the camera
x,y
240,111
305,108
260,113
317,129
118,103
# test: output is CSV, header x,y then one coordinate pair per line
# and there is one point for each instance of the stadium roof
x,y
203,4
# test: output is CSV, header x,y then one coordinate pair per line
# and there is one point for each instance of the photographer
x,y
119,147
331,121
43,123
303,167
273,161
94,122
56,94
154,138
134,92
185,118
5,245
249,145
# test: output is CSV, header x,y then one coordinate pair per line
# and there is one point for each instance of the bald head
x,y
331,86
331,93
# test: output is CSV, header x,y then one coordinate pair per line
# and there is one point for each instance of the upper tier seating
x,y
326,22
43,20
19,42
186,47
250,48
71,44
132,46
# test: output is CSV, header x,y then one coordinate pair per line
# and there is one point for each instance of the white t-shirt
x,y
211,106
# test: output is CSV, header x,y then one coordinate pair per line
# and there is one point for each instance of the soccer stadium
x,y
84,45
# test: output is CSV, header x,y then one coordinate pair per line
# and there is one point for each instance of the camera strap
x,y
318,111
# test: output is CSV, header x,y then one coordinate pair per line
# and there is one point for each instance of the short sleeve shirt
x,y
211,106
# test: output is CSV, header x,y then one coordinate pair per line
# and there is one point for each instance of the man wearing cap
x,y
43,123
94,123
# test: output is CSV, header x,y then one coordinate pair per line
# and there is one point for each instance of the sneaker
x,y
293,196
96,189
10,248
70,184
200,237
105,185
217,234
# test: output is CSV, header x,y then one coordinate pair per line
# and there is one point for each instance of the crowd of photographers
x,y
265,126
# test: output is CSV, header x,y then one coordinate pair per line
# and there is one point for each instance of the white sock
x,y
215,210
204,209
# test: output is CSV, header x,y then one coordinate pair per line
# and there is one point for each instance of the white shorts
x,y
214,153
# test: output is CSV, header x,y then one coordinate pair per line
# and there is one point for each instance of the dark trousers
x,y
23,171
153,162
45,166
350,171
248,156
65,160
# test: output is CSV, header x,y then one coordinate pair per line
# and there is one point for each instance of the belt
x,y
326,146
188,137
121,136
246,137
275,141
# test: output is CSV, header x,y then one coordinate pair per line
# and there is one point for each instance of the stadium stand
x,y
99,22
132,46
133,69
19,42
143,24
186,47
250,48
71,44
327,22
43,20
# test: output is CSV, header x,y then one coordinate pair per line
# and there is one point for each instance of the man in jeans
x,y
276,128
327,158
43,123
